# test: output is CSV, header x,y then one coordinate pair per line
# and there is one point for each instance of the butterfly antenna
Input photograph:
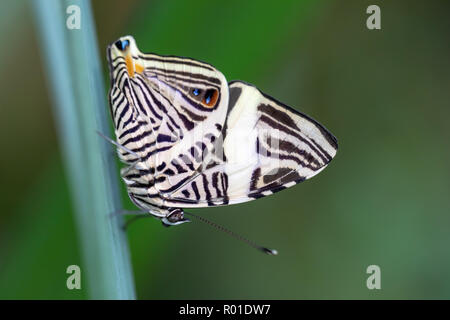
x,y
272,252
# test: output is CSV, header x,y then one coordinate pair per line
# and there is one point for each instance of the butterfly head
x,y
175,217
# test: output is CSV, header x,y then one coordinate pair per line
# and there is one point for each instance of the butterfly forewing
x,y
267,147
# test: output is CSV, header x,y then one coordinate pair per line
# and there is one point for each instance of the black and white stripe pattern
x,y
192,140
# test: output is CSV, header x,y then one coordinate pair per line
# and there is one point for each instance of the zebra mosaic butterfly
x,y
191,139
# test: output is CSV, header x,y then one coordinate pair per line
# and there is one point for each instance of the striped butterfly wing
x,y
196,95
168,112
265,147
193,140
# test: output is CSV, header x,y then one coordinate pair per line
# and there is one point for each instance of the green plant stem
x,y
76,84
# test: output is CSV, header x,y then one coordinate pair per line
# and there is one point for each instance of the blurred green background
x,y
384,200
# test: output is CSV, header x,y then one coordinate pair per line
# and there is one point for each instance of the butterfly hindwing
x,y
194,98
168,111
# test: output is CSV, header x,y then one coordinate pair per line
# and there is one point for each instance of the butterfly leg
x,y
118,145
124,212
175,217
137,214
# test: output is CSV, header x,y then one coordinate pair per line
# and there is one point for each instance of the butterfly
x,y
191,139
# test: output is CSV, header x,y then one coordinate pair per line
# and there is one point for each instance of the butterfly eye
x,y
122,45
210,97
